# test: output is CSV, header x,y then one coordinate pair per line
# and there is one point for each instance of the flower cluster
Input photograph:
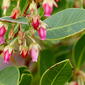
x,y
27,44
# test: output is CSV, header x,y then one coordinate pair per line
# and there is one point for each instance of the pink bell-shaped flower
x,y
2,30
48,7
42,33
7,54
34,51
35,22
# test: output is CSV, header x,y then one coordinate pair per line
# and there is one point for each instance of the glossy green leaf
x,y
57,74
26,79
25,76
24,70
79,52
65,23
9,76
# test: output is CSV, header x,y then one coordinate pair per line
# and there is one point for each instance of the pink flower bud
x,y
34,51
57,0
2,30
15,13
2,40
35,22
42,33
48,6
24,52
7,54
47,9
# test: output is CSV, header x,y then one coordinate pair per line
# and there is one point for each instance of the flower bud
x,y
48,6
33,8
7,54
15,13
24,52
35,22
47,9
57,0
34,51
5,5
2,30
42,33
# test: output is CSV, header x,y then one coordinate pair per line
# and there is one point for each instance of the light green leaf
x,y
65,23
21,20
9,76
57,74
79,52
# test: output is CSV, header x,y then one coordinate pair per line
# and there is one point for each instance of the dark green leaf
x,y
57,74
26,79
79,52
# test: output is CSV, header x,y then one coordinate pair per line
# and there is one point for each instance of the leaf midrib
x,y
60,27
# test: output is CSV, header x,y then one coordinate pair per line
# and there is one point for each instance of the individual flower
x,y
15,13
2,33
33,8
5,5
42,31
35,22
34,51
48,6
24,52
57,0
7,54
2,30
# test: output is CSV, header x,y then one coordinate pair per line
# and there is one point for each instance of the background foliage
x,y
62,53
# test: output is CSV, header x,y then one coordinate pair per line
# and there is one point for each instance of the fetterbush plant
x,y
29,28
